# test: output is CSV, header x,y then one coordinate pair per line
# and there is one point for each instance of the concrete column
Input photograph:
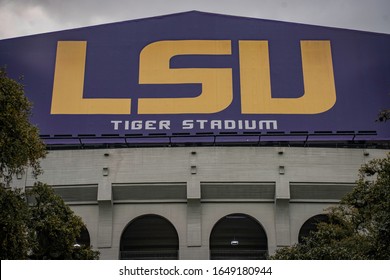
x,y
282,210
194,220
194,226
194,229
105,213
105,224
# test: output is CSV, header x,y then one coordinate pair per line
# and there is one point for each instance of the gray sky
x,y
25,17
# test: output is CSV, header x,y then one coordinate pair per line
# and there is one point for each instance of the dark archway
x,y
311,226
238,237
84,239
149,237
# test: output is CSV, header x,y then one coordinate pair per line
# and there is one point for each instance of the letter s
x,y
217,91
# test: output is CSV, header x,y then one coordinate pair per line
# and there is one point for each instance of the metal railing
x,y
352,139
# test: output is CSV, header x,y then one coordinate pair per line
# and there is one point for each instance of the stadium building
x,y
203,136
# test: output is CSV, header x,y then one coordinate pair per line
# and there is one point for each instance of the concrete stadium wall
x,y
194,187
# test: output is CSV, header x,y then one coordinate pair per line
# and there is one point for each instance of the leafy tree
x,y
39,225
54,228
20,145
36,225
359,227
14,241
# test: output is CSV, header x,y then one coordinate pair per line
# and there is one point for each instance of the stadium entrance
x,y
238,237
149,237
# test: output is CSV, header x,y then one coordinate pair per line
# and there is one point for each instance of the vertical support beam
x,y
282,212
282,222
105,224
194,221
194,227
105,214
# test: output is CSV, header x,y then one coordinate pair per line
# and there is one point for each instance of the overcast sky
x,y
25,17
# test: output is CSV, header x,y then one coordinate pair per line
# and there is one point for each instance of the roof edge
x,y
191,12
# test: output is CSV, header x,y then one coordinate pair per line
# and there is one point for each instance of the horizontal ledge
x,y
149,201
206,200
315,201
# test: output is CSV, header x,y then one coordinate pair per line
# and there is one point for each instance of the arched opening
x,y
84,239
311,226
149,237
238,237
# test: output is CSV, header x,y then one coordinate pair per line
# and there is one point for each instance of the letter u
x,y
256,98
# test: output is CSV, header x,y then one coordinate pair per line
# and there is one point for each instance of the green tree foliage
x,y
39,225
20,145
359,227
53,227
14,215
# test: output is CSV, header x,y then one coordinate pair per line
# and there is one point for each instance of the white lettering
x,y
247,124
201,123
139,125
229,124
240,124
216,124
136,125
116,124
268,124
150,125
164,125
188,124
195,124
